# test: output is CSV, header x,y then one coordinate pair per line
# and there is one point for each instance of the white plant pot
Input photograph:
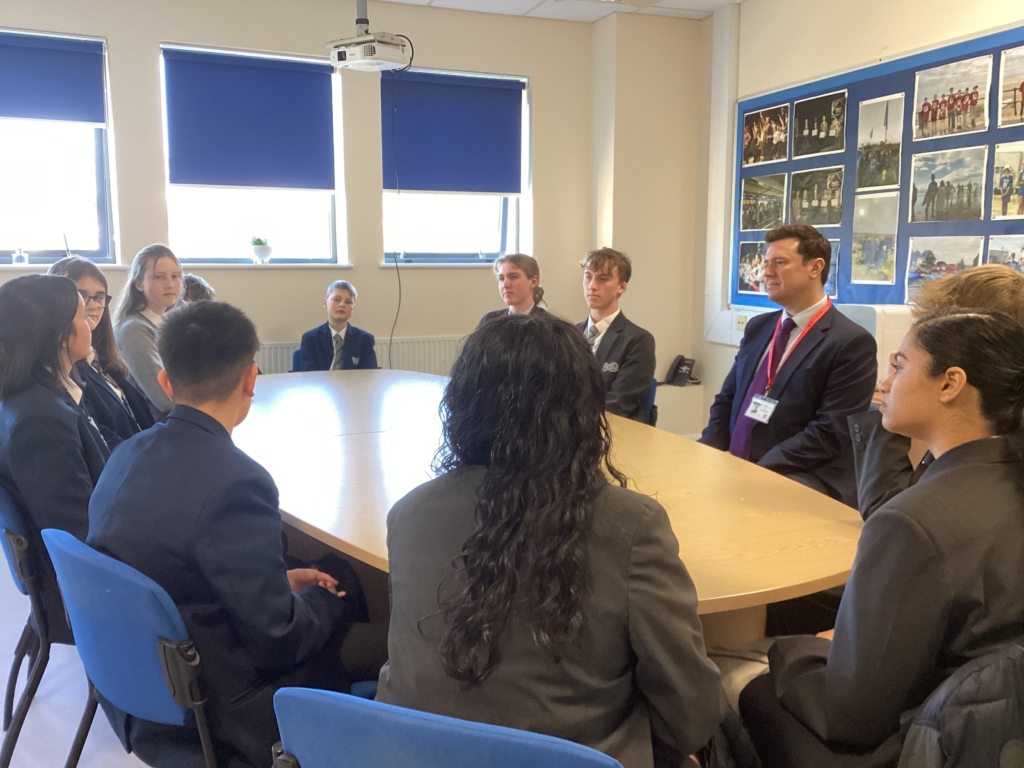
x,y
261,253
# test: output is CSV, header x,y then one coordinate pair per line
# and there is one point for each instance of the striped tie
x,y
591,335
338,344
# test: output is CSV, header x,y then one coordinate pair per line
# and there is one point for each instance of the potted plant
x,y
260,250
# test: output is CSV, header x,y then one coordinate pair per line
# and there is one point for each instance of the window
x,y
454,168
53,149
250,148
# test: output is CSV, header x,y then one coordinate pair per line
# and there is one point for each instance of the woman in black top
x,y
937,577
116,406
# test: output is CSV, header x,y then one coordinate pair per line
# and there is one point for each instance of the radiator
x,y
424,354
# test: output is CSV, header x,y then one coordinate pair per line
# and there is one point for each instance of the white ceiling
x,y
575,10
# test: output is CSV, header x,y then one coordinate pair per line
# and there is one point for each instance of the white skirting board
x,y
423,354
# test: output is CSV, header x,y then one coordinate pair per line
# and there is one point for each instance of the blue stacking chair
x,y
650,414
320,729
34,577
296,360
131,639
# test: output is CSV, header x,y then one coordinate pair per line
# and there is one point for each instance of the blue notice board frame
x,y
889,78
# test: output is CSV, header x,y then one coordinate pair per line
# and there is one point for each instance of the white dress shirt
x,y
801,319
152,316
602,327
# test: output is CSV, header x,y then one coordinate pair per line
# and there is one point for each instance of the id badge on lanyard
x,y
762,407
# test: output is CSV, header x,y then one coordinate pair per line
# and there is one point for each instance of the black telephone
x,y
680,373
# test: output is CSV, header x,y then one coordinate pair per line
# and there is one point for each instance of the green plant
x,y
258,241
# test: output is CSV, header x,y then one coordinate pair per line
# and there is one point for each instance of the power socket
x,y
741,322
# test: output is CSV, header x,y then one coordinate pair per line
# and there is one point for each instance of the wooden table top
x,y
344,446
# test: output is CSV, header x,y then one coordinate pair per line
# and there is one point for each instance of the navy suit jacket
x,y
182,504
830,375
318,350
626,357
116,419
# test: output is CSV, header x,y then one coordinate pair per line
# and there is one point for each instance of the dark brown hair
x,y
529,266
609,258
811,244
109,356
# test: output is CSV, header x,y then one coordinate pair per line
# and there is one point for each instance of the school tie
x,y
338,344
739,443
591,335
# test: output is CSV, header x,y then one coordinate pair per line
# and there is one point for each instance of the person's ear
x,y
165,384
622,289
954,382
249,380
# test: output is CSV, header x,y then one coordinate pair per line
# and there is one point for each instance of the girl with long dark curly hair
x,y
526,589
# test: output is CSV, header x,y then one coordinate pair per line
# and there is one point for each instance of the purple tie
x,y
739,444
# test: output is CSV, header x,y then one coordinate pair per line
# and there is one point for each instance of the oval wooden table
x,y
344,446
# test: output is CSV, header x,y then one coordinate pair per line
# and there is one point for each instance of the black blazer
x,y
626,357
51,456
318,350
881,461
936,582
638,669
116,419
537,311
182,504
830,375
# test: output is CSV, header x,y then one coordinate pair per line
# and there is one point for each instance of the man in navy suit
x,y
800,372
336,345
183,505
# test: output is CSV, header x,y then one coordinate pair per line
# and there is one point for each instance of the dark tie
x,y
739,444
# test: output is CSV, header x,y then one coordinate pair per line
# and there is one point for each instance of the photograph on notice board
x,y
832,284
934,257
952,99
764,202
1008,181
816,197
766,135
875,219
1008,250
879,140
948,185
1011,88
750,276
819,125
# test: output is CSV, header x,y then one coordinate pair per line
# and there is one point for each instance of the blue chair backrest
x,y
12,518
322,729
649,400
118,616
296,360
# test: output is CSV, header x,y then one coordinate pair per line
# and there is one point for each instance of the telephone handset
x,y
680,373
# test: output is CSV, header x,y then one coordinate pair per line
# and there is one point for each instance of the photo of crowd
x,y
1008,250
934,257
750,275
1008,181
764,202
1011,88
816,197
875,220
879,140
766,135
952,98
948,185
832,284
819,125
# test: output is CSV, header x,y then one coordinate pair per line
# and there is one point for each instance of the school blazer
x,y
830,375
318,350
638,669
626,358
537,311
116,419
182,504
881,461
935,583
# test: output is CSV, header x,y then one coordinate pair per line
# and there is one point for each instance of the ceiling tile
x,y
657,10
704,6
508,7
578,10
409,2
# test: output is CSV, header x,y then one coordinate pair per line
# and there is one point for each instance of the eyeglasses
x,y
100,299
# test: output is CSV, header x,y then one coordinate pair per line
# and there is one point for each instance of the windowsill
x,y
439,265
186,265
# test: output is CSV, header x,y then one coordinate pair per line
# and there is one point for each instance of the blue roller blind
x,y
51,78
248,121
448,133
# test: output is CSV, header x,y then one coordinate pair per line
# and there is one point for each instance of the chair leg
x,y
40,659
83,729
12,678
209,752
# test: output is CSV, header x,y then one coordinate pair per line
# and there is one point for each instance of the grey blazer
x,y
936,582
136,338
640,665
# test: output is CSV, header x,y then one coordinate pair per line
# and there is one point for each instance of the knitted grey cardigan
x,y
136,338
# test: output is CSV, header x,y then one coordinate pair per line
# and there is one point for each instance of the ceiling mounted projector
x,y
371,51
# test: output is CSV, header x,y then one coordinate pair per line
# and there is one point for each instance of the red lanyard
x,y
773,372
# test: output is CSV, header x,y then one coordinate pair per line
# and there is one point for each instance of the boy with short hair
x,y
337,345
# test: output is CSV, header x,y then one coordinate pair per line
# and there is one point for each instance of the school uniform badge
x,y
610,368
355,361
